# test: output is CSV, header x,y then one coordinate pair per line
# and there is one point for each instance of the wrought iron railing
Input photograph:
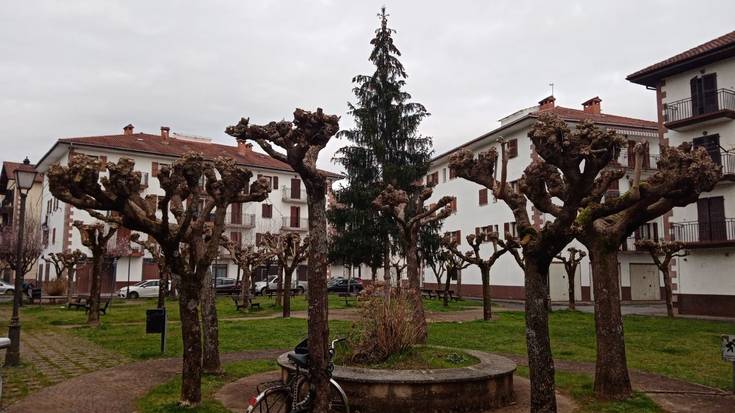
x,y
241,220
704,231
293,196
295,224
727,160
721,99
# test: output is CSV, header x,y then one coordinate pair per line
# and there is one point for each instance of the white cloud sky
x,y
78,68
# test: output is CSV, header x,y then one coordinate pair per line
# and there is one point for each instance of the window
x,y
510,228
452,173
432,179
53,236
710,143
704,94
711,222
236,238
272,181
266,210
259,239
236,214
512,148
488,229
647,231
144,179
295,217
295,188
482,196
444,175
453,205
219,270
455,236
155,167
56,204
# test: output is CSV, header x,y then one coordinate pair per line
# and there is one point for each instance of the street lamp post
x,y
24,178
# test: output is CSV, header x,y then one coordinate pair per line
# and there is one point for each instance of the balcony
x,y
649,161
727,160
696,234
293,196
713,105
295,224
241,220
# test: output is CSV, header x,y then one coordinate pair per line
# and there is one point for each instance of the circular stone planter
x,y
483,386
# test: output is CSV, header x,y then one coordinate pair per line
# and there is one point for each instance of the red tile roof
x,y
577,115
155,145
9,169
704,50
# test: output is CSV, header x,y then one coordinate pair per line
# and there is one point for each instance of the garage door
x,y
558,284
644,282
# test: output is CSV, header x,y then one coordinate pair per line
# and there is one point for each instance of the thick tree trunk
x,y
163,281
95,290
611,371
487,312
318,312
570,277
210,361
459,284
287,277
374,273
414,291
245,287
191,373
540,359
668,292
447,283
279,286
69,285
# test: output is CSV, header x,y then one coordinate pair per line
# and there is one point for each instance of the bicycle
x,y
297,394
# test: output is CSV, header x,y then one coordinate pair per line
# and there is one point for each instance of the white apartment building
x,y
476,210
695,97
284,210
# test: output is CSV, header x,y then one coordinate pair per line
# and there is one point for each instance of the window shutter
x,y
709,91
154,169
478,231
506,228
258,239
655,231
453,204
275,182
483,196
695,86
512,148
236,211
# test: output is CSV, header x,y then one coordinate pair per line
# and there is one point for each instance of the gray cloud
x,y
77,68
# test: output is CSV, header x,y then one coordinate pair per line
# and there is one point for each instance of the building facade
x,y
285,210
476,210
695,98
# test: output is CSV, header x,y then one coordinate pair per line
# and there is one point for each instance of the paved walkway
x,y
52,356
113,390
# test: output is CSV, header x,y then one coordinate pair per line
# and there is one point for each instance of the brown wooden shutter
x,y
154,169
236,214
478,231
275,182
709,91
483,196
453,204
718,229
295,216
655,231
266,211
295,188
695,86
235,238
258,239
506,228
512,148
452,173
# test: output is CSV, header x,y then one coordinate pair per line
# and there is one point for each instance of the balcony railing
x,y
701,233
712,105
293,196
241,220
727,160
295,224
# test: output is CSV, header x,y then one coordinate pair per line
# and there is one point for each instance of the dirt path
x,y
113,390
235,395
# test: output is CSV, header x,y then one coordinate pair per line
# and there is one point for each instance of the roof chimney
x,y
128,130
592,105
244,147
547,103
164,133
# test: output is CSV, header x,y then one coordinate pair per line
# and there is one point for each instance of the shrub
x,y
56,286
385,326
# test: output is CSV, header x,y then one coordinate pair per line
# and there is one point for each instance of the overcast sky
x,y
78,68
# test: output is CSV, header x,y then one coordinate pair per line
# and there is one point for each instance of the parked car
x,y
6,288
261,286
343,285
147,288
226,286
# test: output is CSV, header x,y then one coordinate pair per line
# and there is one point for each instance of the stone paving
x,y
52,356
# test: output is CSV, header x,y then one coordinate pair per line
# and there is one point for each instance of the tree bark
x,y
95,289
245,287
287,277
163,282
414,290
69,284
210,361
570,276
279,286
373,273
318,325
668,292
611,371
447,283
540,359
487,312
191,374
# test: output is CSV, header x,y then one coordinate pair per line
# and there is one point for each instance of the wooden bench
x,y
239,305
347,297
450,293
293,292
103,309
428,294
52,299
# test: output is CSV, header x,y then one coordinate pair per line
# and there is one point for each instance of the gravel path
x,y
113,390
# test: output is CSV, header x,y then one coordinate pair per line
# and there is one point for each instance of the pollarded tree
x,y
557,183
485,264
662,253
454,264
410,214
164,273
302,140
178,221
66,263
604,224
570,267
95,237
30,251
247,259
290,250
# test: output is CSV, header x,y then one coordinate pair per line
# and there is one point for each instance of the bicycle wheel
x,y
337,398
273,400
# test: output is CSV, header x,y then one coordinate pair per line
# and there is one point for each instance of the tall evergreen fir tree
x,y
386,149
